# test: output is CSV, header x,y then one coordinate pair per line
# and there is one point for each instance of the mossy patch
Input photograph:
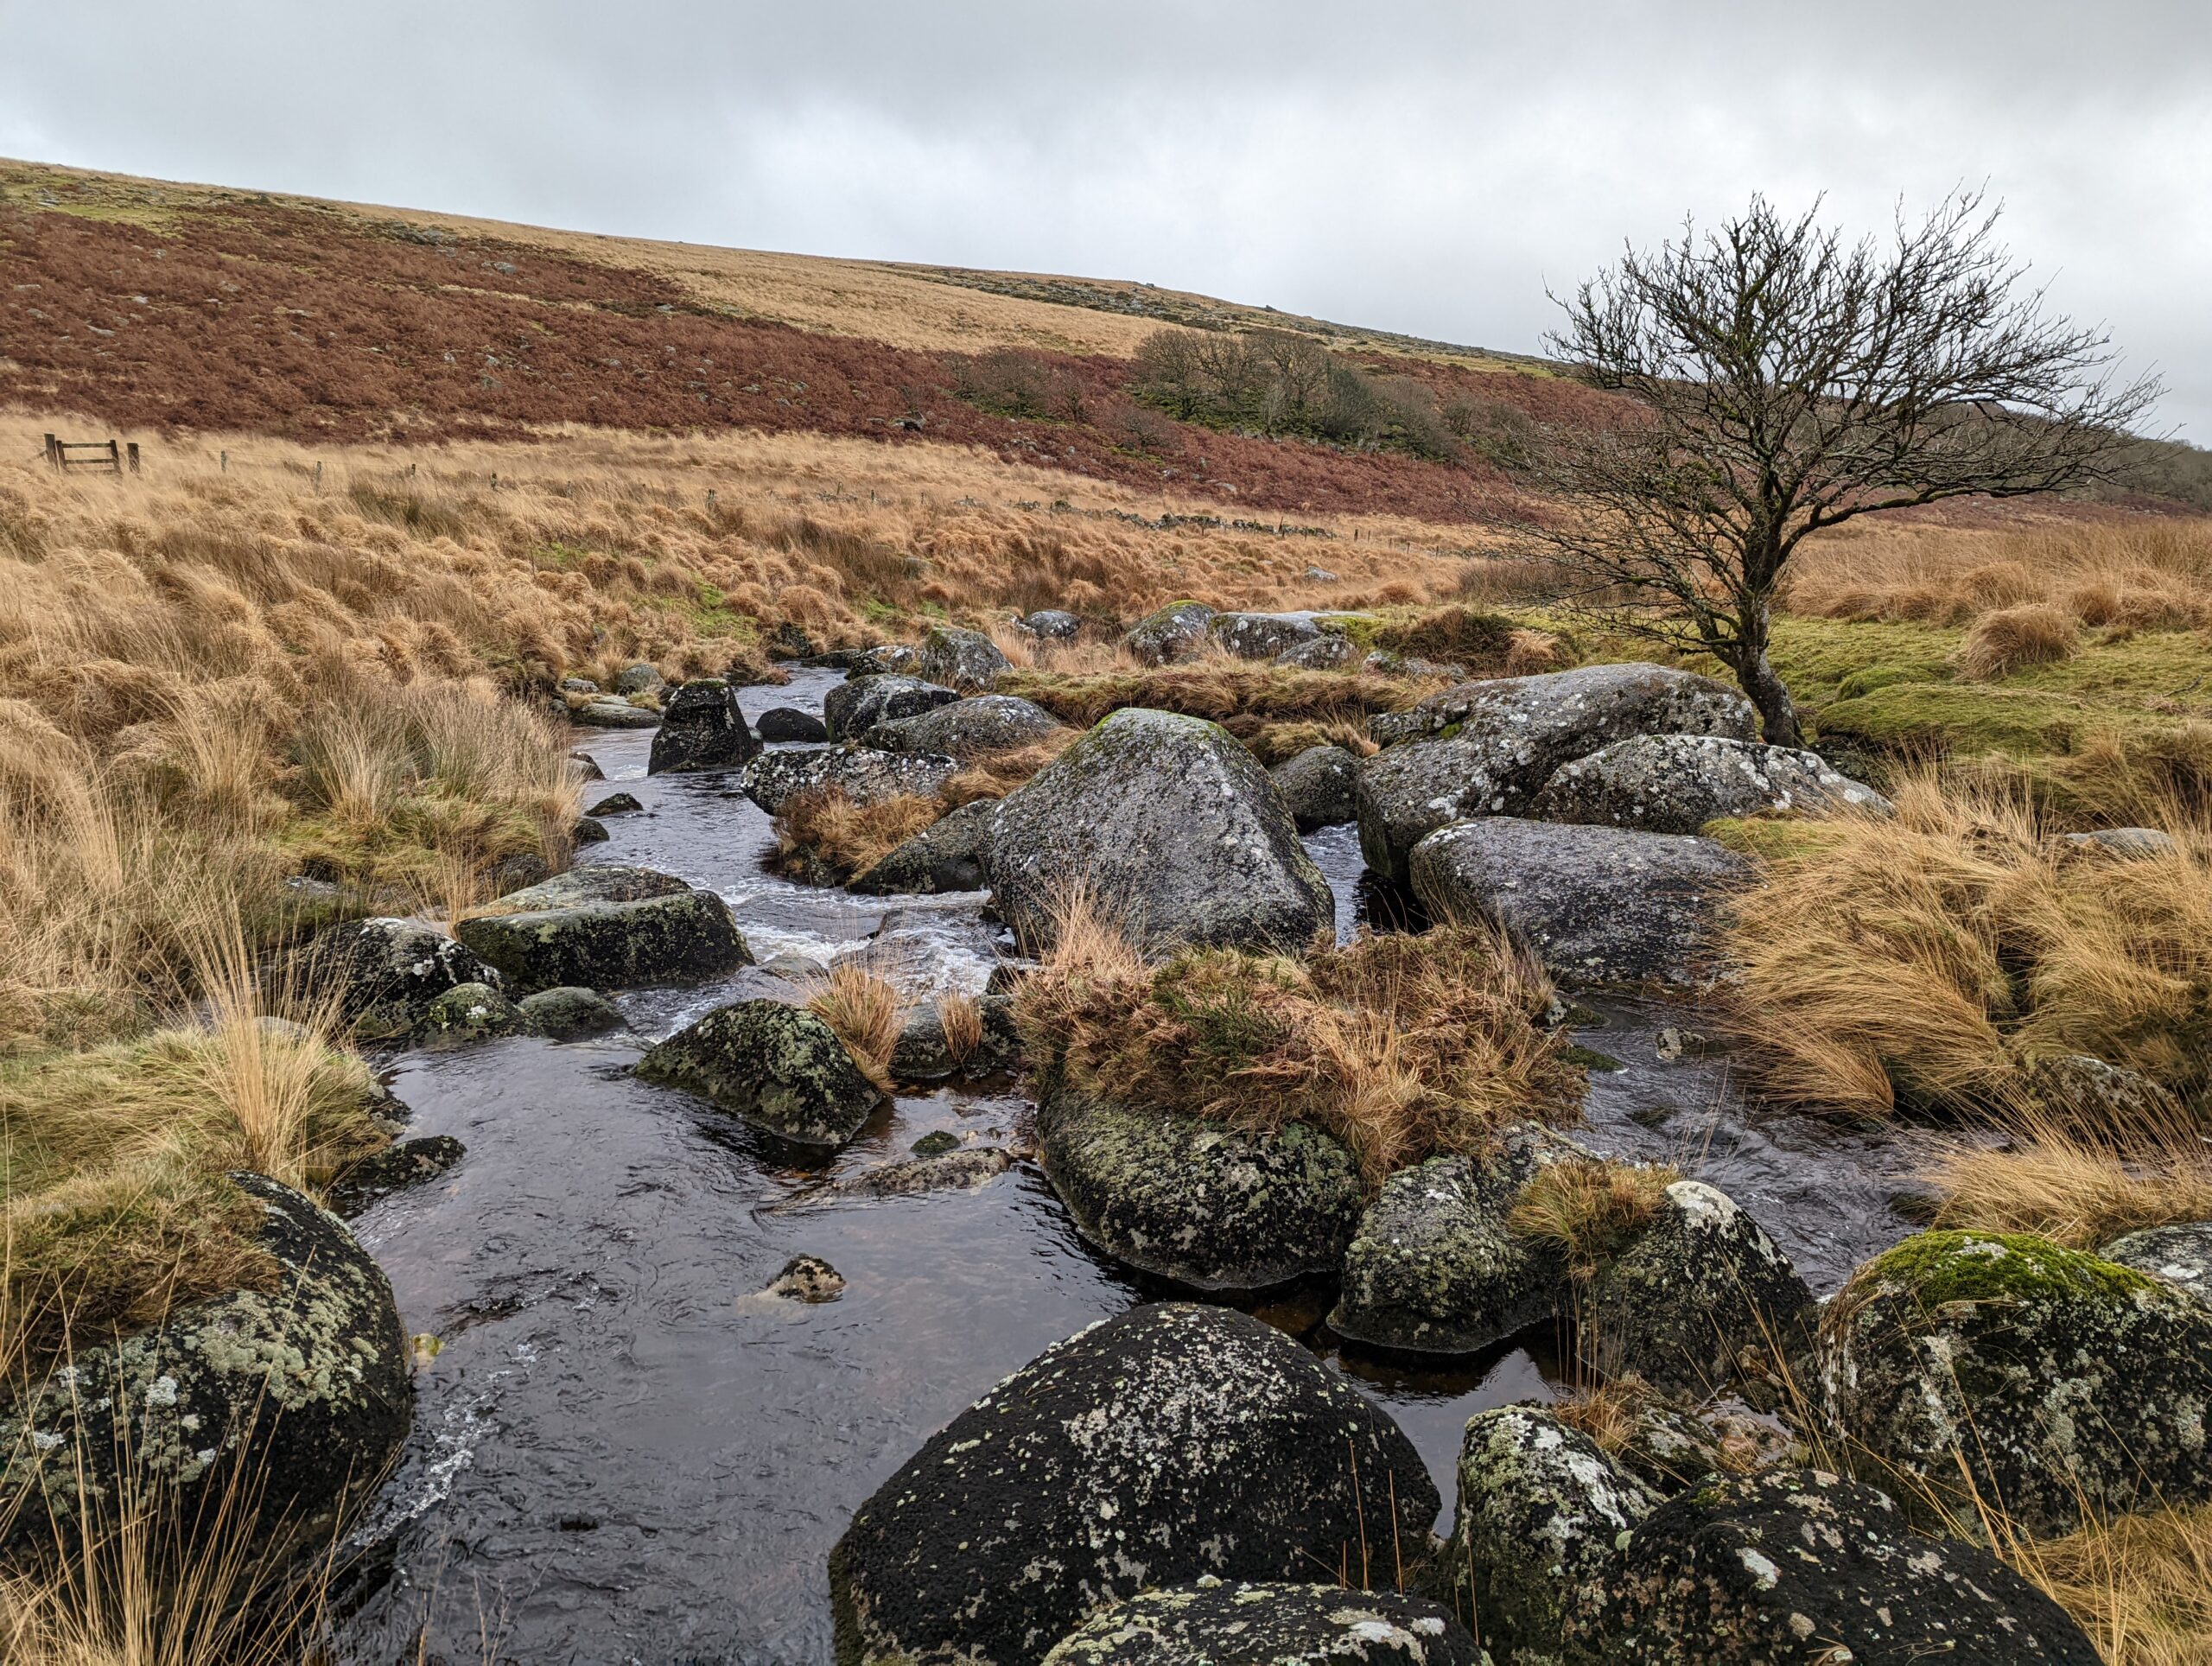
x,y
1948,1266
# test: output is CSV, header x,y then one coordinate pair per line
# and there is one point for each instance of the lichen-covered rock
x,y
1433,1267
1324,652
1169,1443
1671,1444
1677,782
912,1177
568,1011
702,728
1319,786
2126,844
779,1067
806,1278
1700,1302
959,659
296,1397
398,1165
1053,625
1220,1623
387,972
1487,748
2059,1379
2078,1088
607,928
1175,633
1205,1204
1541,1513
1803,1566
1175,829
470,1012
638,679
615,804
2180,1255
924,1054
589,829
862,774
1261,636
859,703
1600,904
966,728
947,856
891,658
614,715
788,723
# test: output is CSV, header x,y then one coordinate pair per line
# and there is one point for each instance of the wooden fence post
x,y
133,449
227,463
53,451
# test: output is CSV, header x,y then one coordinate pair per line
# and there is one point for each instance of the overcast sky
x,y
1429,167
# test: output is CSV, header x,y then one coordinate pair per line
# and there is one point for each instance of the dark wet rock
x,y
702,728
948,855
1803,1566
865,776
968,729
1175,633
1053,625
387,972
614,715
1326,652
589,829
2182,1256
1205,1204
923,1054
1600,904
568,1011
639,678
1702,1300
1006,977
1433,1267
794,967
891,658
1217,1623
790,640
398,1165
2085,1091
2058,1378
607,928
959,659
1318,787
778,1066
786,724
615,804
2128,843
935,1143
518,872
470,1012
1677,782
1167,1444
859,703
587,767
1177,831
1261,636
808,1279
1541,1514
955,1171
1488,748
297,1396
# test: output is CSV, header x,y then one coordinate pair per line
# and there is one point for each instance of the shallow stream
x,y
624,1453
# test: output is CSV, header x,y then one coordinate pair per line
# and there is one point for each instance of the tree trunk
x,y
1777,712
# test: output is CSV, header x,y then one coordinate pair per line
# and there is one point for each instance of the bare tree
x,y
1788,383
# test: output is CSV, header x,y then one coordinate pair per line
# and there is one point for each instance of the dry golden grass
x,y
1590,1211
2141,1585
2142,570
1401,1046
823,837
2011,639
2080,1188
868,1011
961,1018
1925,959
1236,693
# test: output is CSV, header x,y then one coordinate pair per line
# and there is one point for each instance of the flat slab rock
x,y
606,928
1677,782
1172,1442
1218,1623
974,727
862,774
1600,904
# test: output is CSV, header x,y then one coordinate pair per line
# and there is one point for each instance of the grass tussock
x,y
2011,639
1925,960
995,774
2140,1585
1403,1047
824,837
1590,1210
962,1019
2080,1188
1234,693
868,1011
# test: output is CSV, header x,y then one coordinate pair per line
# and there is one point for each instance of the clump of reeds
x,y
824,836
867,1010
1590,1210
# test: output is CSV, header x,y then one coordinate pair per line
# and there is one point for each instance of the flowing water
x,y
624,1451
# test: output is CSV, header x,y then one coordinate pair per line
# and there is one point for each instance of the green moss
x,y
1772,838
1942,1267
1591,1059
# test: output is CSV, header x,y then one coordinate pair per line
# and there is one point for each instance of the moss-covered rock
x,y
568,1012
1169,1443
296,1396
862,701
1262,636
960,658
2180,1255
1175,633
1220,1623
1435,1267
1543,1511
781,1068
1175,829
607,928
702,728
966,728
1199,1202
1803,1566
387,972
924,1052
2056,1378
1319,786
1701,1301
470,1012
